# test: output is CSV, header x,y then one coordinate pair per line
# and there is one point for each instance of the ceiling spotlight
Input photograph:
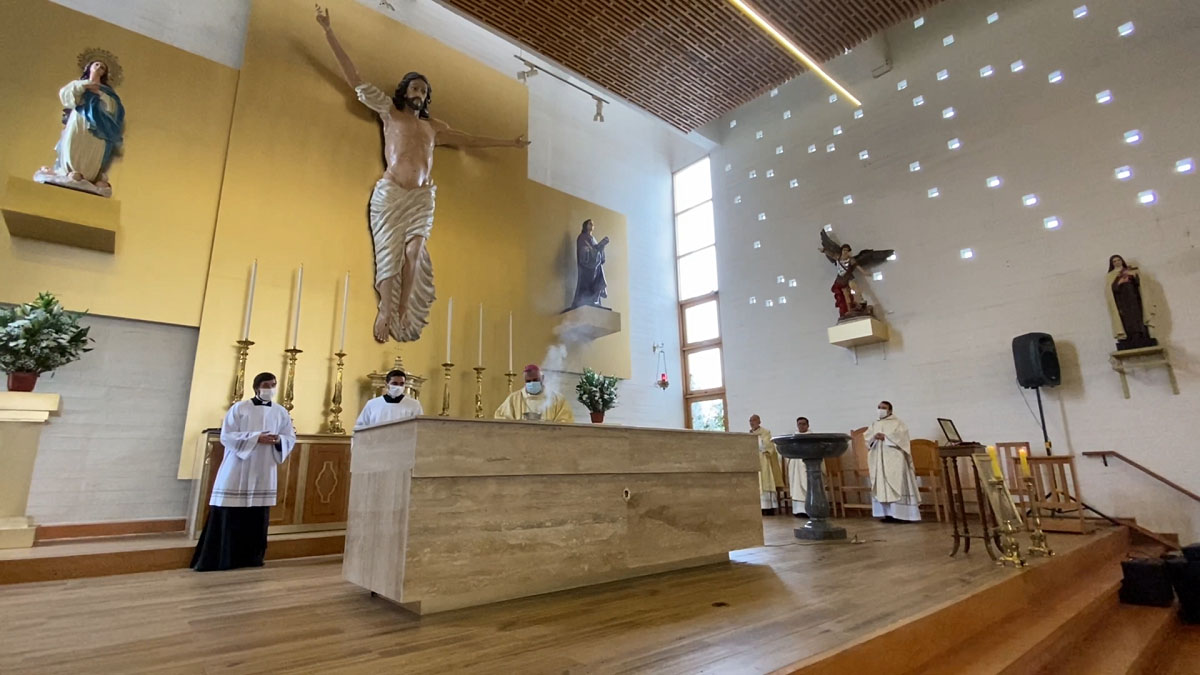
x,y
524,75
599,116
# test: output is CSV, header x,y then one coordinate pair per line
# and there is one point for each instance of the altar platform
x,y
892,604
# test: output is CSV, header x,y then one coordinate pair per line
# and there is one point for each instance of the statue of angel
x,y
846,296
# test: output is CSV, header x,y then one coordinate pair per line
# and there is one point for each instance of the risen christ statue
x,y
401,210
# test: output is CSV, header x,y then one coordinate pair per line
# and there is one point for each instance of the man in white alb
x,y
257,436
392,406
798,476
894,494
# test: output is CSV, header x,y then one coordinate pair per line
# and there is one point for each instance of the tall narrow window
x,y
699,306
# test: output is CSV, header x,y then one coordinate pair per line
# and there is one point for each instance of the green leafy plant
x,y
597,392
40,336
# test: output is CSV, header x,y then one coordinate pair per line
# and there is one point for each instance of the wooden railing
x,y
1105,454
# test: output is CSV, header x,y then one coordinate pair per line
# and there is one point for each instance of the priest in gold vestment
x,y
534,402
770,471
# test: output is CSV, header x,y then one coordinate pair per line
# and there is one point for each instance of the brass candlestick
x,y
1010,550
509,376
335,421
289,380
1037,538
479,392
239,377
446,391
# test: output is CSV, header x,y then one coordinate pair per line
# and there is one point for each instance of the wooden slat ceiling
x,y
686,61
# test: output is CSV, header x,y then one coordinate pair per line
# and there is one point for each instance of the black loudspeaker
x,y
1036,361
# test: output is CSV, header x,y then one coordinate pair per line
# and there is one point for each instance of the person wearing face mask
x,y
392,406
894,494
257,436
770,470
535,402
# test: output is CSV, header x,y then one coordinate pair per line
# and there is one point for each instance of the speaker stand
x,y
1042,417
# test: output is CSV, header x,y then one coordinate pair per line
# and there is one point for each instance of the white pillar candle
x,y
345,305
250,301
449,327
510,342
479,362
299,292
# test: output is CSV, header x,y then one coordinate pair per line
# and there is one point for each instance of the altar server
x,y
894,494
797,474
392,406
258,436
770,471
535,402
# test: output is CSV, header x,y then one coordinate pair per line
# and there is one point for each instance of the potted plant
x,y
598,393
39,337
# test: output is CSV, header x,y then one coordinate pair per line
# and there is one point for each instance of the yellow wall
x,y
178,112
303,156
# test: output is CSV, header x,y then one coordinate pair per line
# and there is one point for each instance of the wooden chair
x,y
928,468
1010,462
833,486
1056,494
855,485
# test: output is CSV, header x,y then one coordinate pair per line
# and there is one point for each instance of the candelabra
x,y
239,377
479,392
335,420
509,376
446,390
1037,538
1010,550
289,382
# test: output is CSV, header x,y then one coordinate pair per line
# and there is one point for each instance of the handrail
x,y
1105,454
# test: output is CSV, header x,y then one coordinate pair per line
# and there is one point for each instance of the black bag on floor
x,y
1184,572
1145,582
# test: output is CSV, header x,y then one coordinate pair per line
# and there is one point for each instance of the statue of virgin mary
x,y
93,124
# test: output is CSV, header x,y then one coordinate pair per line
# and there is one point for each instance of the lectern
x,y
21,418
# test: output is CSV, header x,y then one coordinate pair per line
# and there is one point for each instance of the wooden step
x,y
1181,652
1022,641
923,642
104,556
1127,639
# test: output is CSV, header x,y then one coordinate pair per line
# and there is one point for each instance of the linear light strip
x,y
787,44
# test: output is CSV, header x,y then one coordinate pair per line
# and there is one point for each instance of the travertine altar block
x,y
449,513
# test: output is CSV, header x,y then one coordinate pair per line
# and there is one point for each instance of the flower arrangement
x,y
40,337
598,393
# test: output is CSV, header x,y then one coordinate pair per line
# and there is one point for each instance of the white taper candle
x,y
345,306
449,327
299,292
250,301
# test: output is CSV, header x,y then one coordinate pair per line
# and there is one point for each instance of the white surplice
x,y
893,480
247,476
797,483
382,409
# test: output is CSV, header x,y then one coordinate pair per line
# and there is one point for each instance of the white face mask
x,y
395,390
266,394
883,413
534,388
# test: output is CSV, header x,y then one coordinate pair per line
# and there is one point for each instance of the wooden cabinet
x,y
313,487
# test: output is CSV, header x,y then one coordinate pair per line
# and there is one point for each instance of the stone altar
x,y
450,513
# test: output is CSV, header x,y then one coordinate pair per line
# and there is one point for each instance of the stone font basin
x,y
811,446
814,449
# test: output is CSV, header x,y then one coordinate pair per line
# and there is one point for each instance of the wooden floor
x,y
769,607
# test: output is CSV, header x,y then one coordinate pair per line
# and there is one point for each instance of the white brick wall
x,y
953,320
112,452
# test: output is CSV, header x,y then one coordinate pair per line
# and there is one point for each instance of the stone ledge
x,y
60,216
